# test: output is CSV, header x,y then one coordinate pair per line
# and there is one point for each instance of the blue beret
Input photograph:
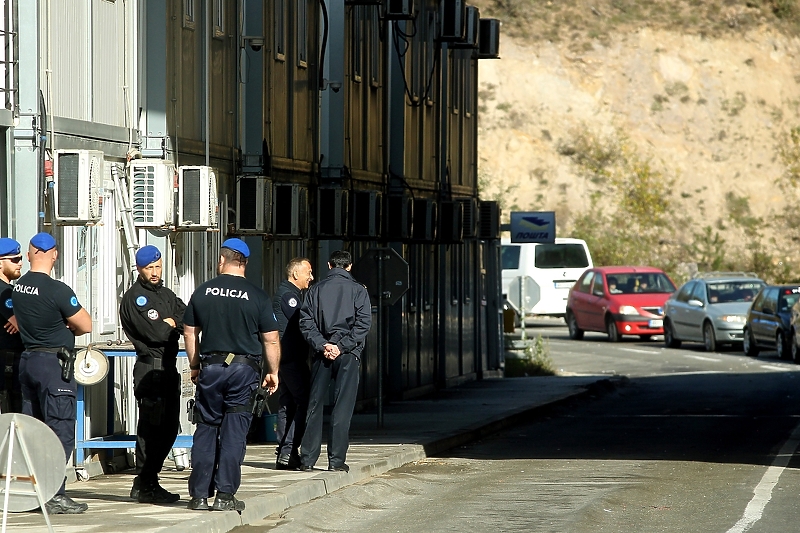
x,y
9,247
237,245
43,241
146,255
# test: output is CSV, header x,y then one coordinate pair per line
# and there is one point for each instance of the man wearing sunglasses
x,y
11,347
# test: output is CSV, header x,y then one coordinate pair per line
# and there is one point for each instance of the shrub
x,y
535,362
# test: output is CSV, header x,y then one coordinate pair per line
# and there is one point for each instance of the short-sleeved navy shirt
x,y
232,313
42,305
7,340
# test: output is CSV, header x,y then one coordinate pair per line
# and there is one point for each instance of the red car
x,y
619,300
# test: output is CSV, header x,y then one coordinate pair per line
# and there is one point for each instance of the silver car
x,y
710,308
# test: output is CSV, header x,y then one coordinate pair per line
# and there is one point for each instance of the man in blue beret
x,y
49,318
239,334
11,346
152,317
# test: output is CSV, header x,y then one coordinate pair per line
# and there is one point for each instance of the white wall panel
x,y
108,80
70,39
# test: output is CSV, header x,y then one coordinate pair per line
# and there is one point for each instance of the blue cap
x,y
146,255
237,245
43,241
9,247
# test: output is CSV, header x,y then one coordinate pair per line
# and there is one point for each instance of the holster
x,y
67,360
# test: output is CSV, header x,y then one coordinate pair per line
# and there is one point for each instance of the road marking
x,y
582,483
634,350
778,368
692,373
762,494
701,358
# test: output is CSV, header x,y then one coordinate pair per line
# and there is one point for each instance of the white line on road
x,y
634,350
778,368
693,373
762,494
701,358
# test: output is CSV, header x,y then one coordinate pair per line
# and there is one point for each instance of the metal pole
x,y
379,257
522,305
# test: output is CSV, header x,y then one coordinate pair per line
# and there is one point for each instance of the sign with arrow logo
x,y
533,226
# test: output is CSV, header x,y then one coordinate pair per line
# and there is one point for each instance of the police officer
x,y
239,330
294,374
335,318
49,317
152,317
11,346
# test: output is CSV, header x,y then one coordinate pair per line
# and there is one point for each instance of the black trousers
x,y
9,382
293,387
344,372
46,396
158,395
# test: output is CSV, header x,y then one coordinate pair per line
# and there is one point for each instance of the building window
x,y
356,43
188,14
375,48
302,33
218,16
280,29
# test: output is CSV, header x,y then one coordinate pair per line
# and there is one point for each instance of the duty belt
x,y
157,361
224,358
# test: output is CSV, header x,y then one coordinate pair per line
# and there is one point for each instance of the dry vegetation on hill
x,y
664,132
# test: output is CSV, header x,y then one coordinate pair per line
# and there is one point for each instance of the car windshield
x,y
732,291
560,256
509,257
788,298
633,283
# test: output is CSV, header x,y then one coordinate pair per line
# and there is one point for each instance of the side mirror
x,y
695,303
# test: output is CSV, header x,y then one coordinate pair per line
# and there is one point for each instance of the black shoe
x,y
63,504
225,501
135,488
198,504
287,462
304,468
157,494
341,468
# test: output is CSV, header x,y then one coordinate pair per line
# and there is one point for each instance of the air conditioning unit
x,y
424,220
151,184
77,185
489,221
454,18
253,204
290,210
331,212
365,214
489,39
399,217
469,210
197,197
471,30
399,9
451,223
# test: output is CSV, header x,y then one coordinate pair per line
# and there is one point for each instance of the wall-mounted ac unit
x,y
454,18
399,9
425,211
290,210
331,212
451,223
489,39
469,210
365,214
77,185
197,197
253,204
398,217
151,183
489,221
471,29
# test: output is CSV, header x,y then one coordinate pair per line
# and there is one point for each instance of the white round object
x,y
91,366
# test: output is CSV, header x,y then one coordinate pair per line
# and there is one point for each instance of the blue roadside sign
x,y
533,226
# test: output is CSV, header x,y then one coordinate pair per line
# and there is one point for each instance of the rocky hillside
x,y
707,92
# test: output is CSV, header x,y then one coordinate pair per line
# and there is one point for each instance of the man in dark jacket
x,y
152,317
294,374
11,346
335,319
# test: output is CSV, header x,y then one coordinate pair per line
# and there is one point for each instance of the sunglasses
x,y
17,259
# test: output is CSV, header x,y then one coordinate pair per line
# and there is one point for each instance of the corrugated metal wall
x,y
71,59
108,62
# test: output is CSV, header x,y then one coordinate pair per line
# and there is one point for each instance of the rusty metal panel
x,y
108,61
71,60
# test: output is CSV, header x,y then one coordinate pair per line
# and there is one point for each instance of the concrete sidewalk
x,y
413,430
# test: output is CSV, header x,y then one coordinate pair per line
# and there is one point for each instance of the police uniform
x,y
231,313
156,379
294,376
42,305
11,346
335,311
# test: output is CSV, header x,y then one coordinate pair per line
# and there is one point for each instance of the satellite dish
x,y
91,366
34,467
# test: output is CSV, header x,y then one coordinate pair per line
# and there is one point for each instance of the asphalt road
x,y
687,441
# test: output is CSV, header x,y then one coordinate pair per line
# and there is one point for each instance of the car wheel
x,y
795,350
669,336
575,333
611,329
749,345
782,346
709,338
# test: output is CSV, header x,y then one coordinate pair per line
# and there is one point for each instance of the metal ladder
x,y
128,227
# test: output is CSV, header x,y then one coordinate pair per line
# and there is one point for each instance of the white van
x,y
554,269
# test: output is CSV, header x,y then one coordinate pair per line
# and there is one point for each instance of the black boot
x,y
63,504
225,501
